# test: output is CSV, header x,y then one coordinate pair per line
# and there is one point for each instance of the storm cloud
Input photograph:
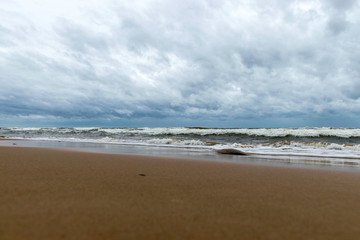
x,y
214,63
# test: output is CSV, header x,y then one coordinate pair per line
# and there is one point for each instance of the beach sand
x,y
56,194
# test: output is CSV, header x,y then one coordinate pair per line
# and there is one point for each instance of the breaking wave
x,y
299,141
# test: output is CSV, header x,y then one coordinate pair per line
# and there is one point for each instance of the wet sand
x,y
57,194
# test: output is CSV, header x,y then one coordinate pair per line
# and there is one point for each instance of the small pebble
x,y
141,174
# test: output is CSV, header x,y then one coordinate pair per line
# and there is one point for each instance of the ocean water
x,y
335,146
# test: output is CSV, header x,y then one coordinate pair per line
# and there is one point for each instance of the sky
x,y
211,63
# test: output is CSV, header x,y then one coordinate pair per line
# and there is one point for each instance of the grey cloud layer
x,y
185,59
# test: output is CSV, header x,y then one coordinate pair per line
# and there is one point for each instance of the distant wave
x,y
265,132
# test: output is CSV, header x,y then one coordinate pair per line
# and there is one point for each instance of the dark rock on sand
x,y
230,151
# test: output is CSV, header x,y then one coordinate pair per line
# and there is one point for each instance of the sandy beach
x,y
57,194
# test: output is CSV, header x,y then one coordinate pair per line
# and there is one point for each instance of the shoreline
x,y
282,160
59,194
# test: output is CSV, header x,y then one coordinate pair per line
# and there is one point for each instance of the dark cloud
x,y
337,25
342,4
183,60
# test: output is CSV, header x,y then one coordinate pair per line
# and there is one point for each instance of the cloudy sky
x,y
255,63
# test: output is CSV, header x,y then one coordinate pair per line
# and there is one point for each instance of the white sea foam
x,y
319,149
270,132
321,142
267,132
278,148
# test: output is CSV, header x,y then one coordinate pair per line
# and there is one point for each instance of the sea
x,y
311,146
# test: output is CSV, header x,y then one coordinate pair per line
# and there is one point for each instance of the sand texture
x,y
55,194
